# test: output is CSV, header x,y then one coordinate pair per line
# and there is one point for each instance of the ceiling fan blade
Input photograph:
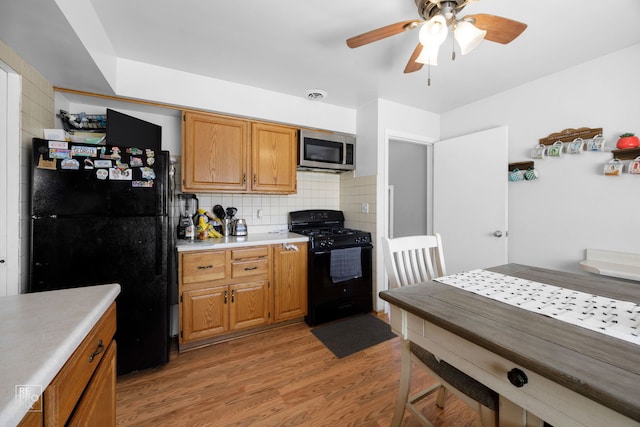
x,y
499,29
412,65
381,33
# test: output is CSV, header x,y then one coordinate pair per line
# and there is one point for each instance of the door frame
x,y
383,223
10,190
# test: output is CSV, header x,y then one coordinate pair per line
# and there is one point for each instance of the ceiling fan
x,y
437,17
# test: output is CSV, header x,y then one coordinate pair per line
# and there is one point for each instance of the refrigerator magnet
x,y
59,153
58,144
142,184
119,174
81,150
101,163
71,164
47,164
88,163
102,174
134,151
121,166
135,162
115,153
148,173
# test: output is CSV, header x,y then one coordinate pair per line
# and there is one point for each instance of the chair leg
x,y
488,417
442,397
405,382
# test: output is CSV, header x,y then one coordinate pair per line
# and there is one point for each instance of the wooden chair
x,y
410,260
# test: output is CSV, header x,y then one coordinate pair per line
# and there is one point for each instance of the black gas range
x,y
340,265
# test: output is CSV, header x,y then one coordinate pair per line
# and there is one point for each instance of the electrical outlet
x,y
364,208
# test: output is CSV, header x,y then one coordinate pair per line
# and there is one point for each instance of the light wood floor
x,y
283,377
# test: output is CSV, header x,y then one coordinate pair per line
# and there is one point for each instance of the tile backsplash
x,y
268,213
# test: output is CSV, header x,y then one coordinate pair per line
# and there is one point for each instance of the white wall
x,y
164,85
573,206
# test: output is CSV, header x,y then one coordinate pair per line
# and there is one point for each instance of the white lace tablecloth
x,y
619,319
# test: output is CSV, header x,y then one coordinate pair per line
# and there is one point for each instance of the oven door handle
x,y
329,251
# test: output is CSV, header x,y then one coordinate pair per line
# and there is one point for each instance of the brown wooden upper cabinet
x,y
227,154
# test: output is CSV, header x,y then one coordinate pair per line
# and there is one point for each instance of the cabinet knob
x,y
517,377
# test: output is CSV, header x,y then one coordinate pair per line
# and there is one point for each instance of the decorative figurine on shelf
x,y
628,140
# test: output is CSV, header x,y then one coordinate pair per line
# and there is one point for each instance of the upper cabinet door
x,y
273,166
214,153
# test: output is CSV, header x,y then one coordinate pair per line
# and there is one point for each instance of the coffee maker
x,y
188,205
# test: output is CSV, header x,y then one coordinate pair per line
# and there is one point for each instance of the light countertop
x,y
238,241
40,331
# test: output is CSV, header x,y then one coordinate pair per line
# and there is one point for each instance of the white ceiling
x,y
290,46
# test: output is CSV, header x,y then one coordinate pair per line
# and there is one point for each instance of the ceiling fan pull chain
x,y
453,49
428,74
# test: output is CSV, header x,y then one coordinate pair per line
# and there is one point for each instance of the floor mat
x,y
353,334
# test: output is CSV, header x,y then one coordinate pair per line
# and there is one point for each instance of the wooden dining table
x,y
573,376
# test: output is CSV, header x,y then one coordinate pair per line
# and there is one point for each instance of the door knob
x,y
517,377
497,233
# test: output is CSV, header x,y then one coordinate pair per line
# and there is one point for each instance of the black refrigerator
x,y
99,214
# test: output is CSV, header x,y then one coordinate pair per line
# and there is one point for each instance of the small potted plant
x,y
628,140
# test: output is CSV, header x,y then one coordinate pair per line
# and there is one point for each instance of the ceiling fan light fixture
x,y
429,55
468,36
433,32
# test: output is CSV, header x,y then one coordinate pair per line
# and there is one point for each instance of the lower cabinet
x,y
98,404
205,313
83,393
228,291
290,281
249,305
220,309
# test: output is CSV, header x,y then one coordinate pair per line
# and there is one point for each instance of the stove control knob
x,y
330,242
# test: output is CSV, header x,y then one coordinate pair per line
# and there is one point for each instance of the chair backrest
x,y
413,259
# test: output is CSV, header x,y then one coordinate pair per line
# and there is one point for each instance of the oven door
x,y
329,300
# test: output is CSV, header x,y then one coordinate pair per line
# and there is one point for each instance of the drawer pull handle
x,y
233,296
251,268
99,350
204,267
517,377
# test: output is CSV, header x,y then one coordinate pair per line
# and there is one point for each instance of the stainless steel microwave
x,y
326,151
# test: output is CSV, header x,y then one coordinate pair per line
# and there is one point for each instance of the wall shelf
x,y
626,154
523,166
570,134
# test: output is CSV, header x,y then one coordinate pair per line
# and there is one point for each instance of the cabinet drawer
x,y
249,268
203,266
63,393
253,252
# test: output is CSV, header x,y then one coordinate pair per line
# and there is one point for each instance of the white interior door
x,y
10,89
3,182
470,199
